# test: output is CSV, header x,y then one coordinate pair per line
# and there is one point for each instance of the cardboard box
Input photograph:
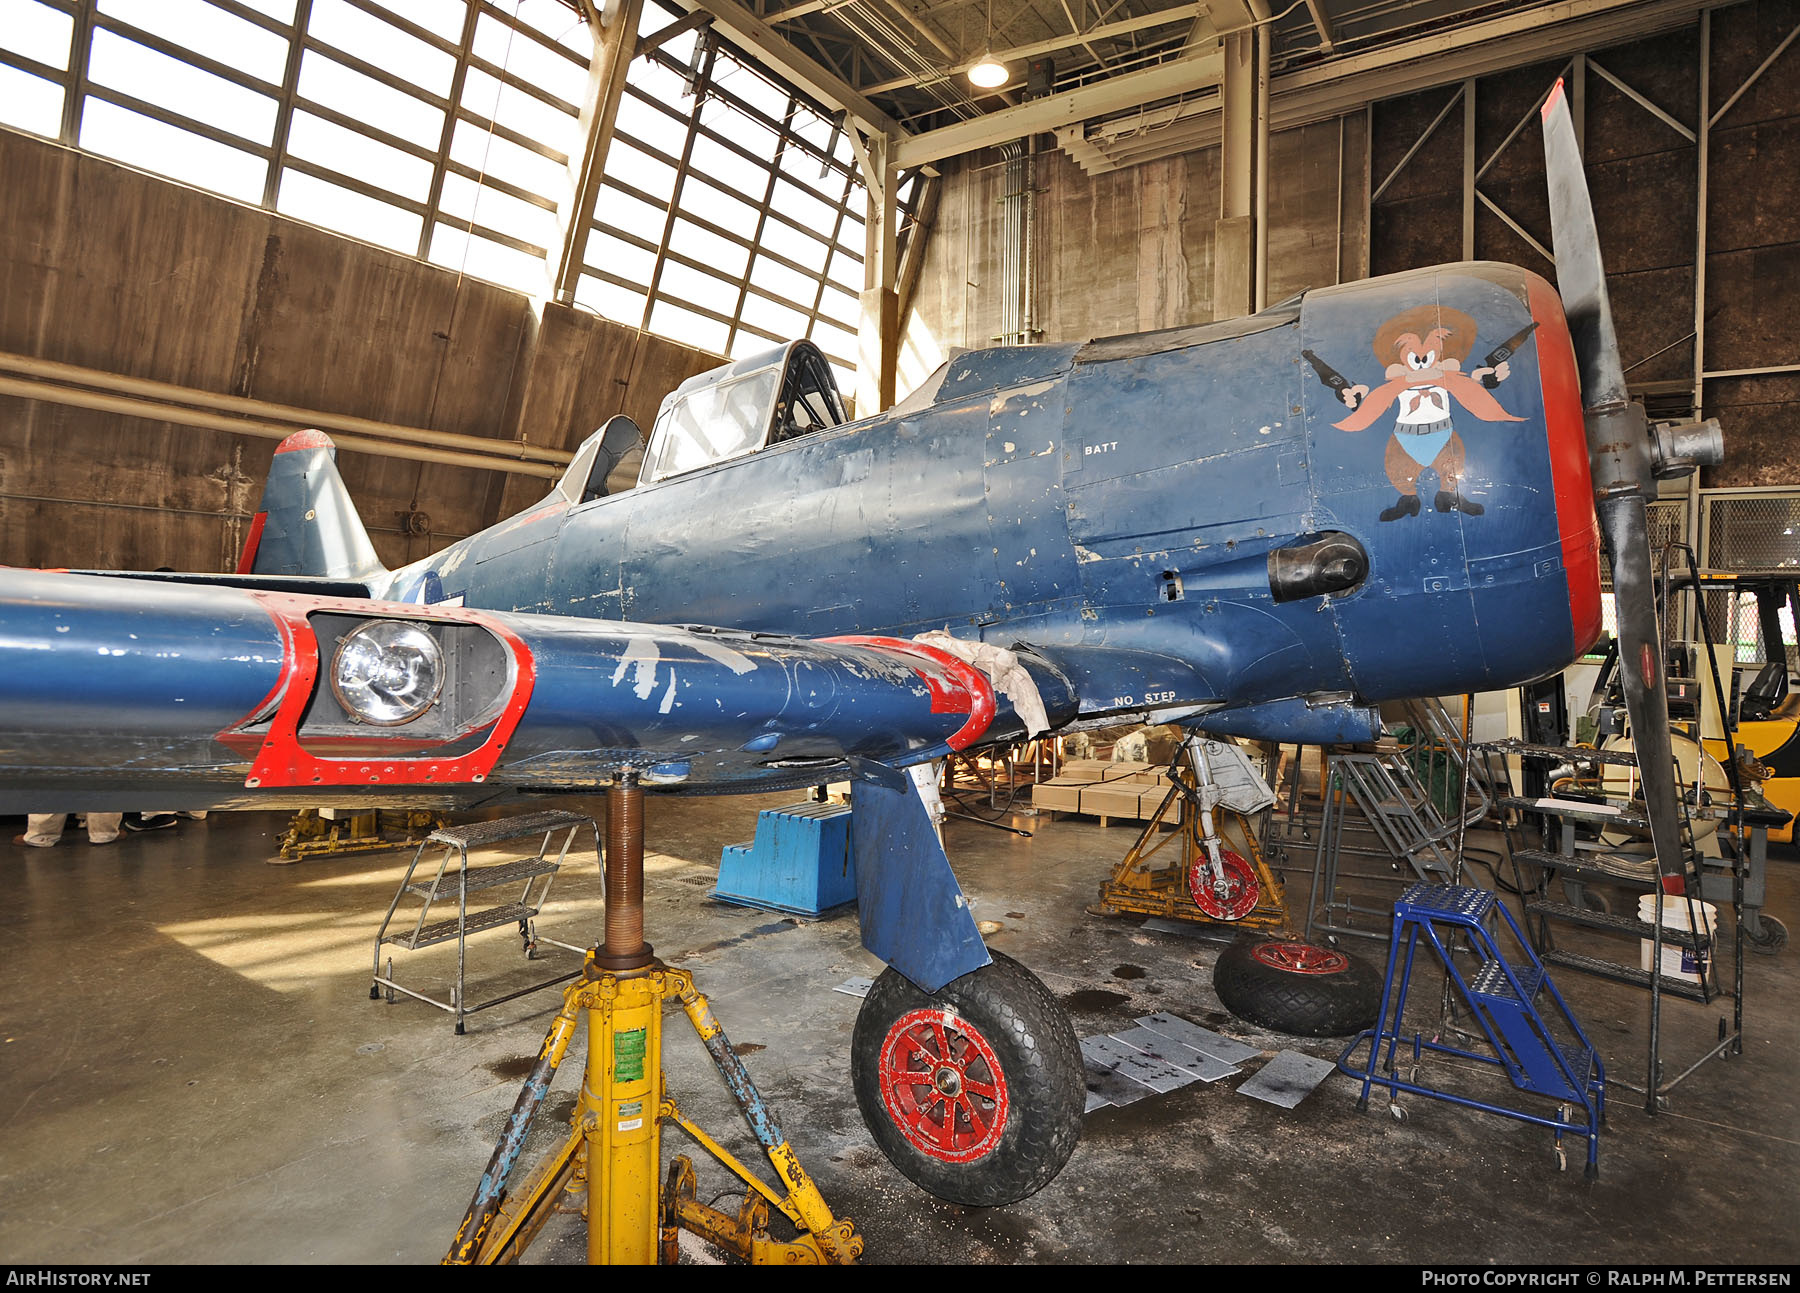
x,y
1082,769
1121,771
1058,796
1113,801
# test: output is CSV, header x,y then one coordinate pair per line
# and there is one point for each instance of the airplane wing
x,y
120,693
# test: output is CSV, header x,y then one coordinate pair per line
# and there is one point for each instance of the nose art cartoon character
x,y
1423,350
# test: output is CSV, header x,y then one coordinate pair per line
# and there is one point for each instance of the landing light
x,y
387,672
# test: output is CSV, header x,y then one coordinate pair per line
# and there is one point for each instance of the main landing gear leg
x,y
607,1168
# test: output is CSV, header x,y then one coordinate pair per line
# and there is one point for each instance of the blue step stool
x,y
1530,1032
800,861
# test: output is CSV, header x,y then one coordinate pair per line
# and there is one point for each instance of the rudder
x,y
306,523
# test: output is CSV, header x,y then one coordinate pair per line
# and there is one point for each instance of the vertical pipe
x,y
622,1090
1368,188
1337,242
1702,160
1264,42
1028,270
1702,165
1468,212
625,944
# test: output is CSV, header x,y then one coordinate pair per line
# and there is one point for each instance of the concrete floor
x,y
191,1071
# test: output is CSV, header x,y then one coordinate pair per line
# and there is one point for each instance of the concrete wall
x,y
1131,250
113,269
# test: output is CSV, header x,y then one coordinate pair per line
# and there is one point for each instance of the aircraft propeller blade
x,y
1624,457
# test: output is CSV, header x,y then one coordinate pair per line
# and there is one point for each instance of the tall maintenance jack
x,y
607,1168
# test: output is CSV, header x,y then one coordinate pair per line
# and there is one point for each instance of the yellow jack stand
x,y
1138,885
310,835
607,1168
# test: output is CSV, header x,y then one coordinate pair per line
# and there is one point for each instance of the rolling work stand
x,y
466,879
1543,1052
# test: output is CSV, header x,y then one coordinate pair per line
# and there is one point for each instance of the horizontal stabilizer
x,y
307,585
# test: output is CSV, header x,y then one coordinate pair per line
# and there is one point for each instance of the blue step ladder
x,y
1544,1053
800,861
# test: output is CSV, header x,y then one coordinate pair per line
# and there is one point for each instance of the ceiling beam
x,y
1513,39
1344,84
757,38
1107,31
1322,21
1115,94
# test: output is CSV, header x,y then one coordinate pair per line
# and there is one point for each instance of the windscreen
x,y
712,424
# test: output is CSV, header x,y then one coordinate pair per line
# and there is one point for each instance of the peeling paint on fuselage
x,y
1053,497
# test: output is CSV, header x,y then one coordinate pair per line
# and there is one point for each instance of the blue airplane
x,y
1262,527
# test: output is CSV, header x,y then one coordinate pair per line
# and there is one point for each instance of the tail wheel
x,y
1298,988
1231,895
974,1092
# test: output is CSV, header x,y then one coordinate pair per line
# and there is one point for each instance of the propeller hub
x,y
1618,438
1678,448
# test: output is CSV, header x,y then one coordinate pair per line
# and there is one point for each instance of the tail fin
x,y
307,524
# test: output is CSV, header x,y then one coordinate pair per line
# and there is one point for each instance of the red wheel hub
x,y
1231,895
1301,958
943,1085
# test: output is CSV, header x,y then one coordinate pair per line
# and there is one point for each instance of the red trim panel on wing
x,y
957,687
1567,435
282,760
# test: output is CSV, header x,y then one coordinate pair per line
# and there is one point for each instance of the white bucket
x,y
1677,962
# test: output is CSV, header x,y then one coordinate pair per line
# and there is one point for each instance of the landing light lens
x,y
387,672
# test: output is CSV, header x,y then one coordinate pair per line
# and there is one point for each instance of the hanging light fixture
x,y
990,73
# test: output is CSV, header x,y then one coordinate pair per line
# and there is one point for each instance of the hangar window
x,y
710,153
36,33
730,216
30,102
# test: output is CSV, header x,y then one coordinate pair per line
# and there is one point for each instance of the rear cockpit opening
x,y
593,472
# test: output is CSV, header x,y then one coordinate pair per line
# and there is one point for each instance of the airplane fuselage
x,y
1128,493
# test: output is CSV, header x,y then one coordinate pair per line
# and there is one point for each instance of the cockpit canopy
x,y
740,408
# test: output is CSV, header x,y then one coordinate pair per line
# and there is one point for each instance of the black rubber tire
x,y
1341,1000
1039,1060
1775,936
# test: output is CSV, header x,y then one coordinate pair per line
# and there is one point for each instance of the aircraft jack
x,y
607,1168
1244,893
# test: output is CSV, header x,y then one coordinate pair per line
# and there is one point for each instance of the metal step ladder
x,y
1410,811
1577,865
1542,1051
474,878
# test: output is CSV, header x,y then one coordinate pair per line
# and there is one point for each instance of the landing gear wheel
x,y
1234,897
974,1092
1774,936
1297,988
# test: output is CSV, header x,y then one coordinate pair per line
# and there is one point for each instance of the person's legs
x,y
103,828
42,830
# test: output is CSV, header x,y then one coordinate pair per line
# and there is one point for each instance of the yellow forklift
x,y
1765,707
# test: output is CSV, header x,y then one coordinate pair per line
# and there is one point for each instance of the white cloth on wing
x,y
1003,669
